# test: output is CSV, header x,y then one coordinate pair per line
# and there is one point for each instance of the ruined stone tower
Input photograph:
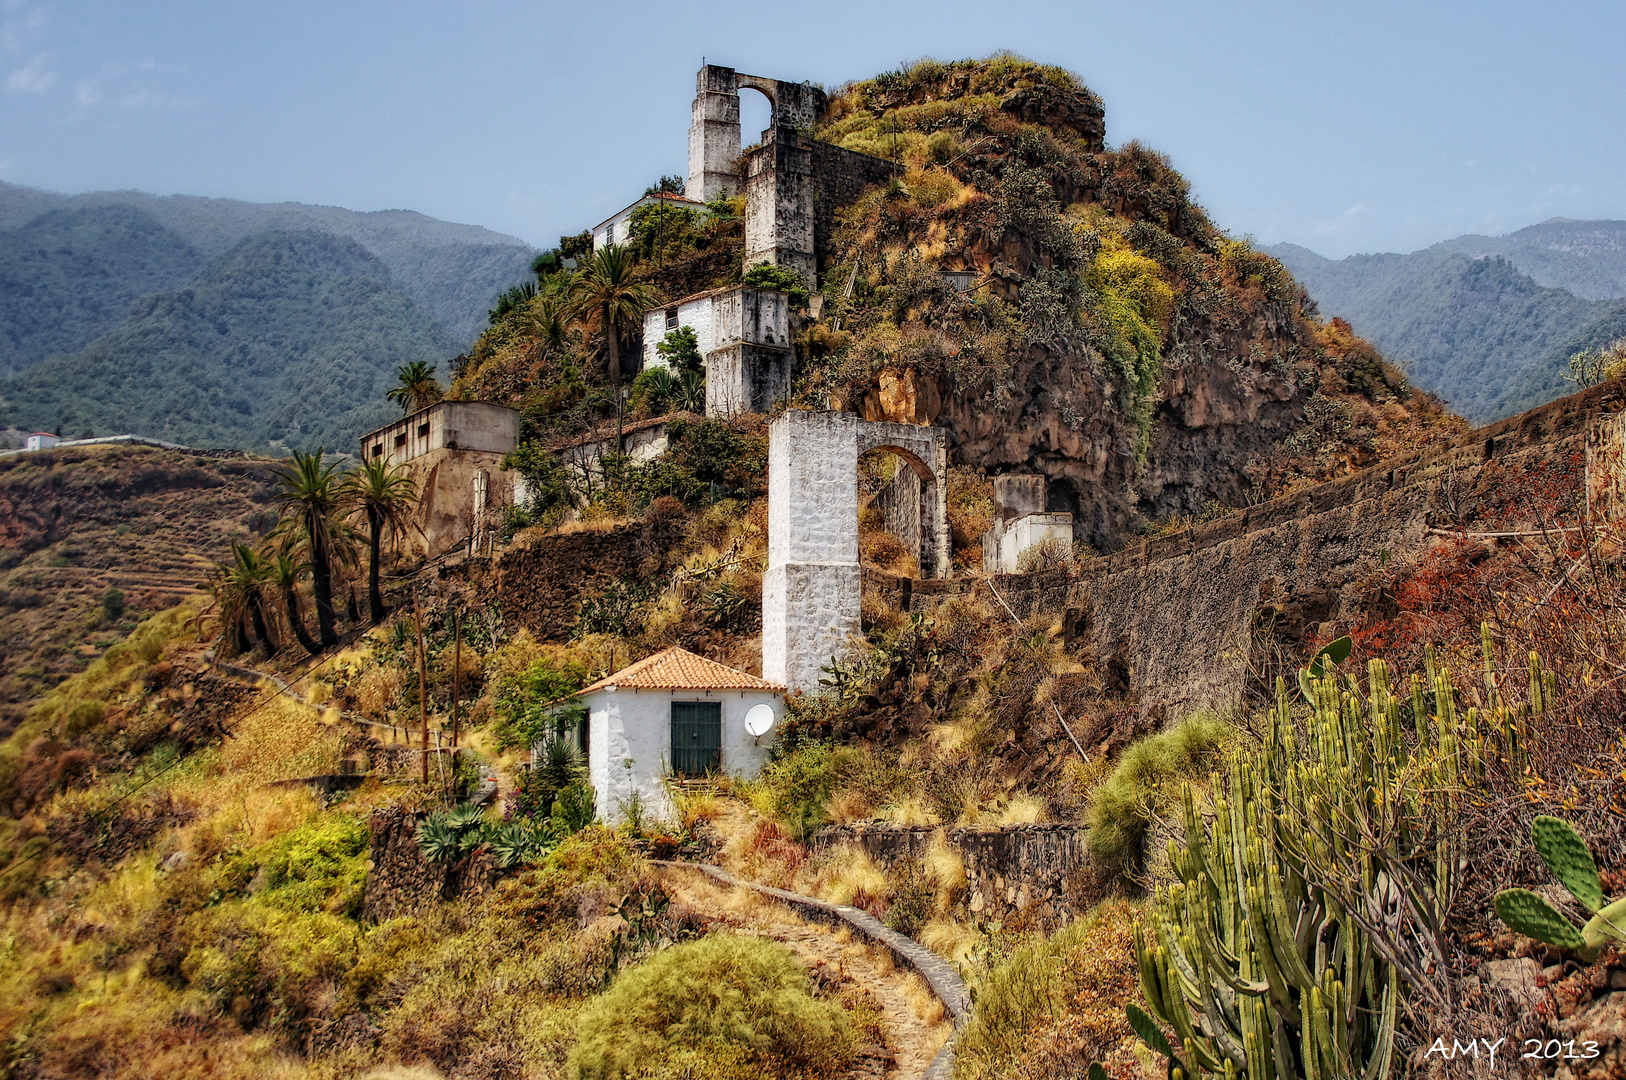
x,y
792,182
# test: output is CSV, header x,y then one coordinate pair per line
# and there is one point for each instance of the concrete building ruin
x,y
744,336
453,451
813,588
793,184
1021,524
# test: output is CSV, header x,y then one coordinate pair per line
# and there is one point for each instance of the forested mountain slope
x,y
1587,258
1478,331
288,339
451,270
69,276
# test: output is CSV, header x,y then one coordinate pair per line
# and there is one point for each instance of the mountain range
x,y
1488,323
202,320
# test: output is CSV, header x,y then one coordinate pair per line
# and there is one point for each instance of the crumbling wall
x,y
1180,612
839,177
402,882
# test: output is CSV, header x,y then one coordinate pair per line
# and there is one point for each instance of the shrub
x,y
767,276
1146,777
113,605
739,992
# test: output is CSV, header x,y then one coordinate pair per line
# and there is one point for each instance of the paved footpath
x,y
937,973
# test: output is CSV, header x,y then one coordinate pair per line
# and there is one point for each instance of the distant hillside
x,y
1477,331
69,276
290,338
453,271
1587,258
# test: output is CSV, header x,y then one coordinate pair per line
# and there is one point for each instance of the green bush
x,y
740,992
1146,778
767,276
800,784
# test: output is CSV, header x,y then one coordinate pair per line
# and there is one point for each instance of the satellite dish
x,y
759,721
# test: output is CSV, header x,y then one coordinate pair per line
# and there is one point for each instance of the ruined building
x,y
453,452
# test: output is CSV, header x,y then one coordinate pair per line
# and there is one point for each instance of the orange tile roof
x,y
680,669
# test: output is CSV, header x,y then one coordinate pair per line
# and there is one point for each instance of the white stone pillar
x,y
714,135
812,590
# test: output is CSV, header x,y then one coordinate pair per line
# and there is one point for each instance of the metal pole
x,y
423,687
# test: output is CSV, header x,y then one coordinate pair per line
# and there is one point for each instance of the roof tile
x,y
680,669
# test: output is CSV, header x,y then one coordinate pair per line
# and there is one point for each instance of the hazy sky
x,y
1344,127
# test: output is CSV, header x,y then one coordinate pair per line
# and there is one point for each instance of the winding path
x,y
924,1045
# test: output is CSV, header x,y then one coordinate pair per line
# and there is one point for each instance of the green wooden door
x,y
697,737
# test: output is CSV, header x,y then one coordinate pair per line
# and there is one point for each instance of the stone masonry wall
x,y
1041,873
839,177
540,584
1179,611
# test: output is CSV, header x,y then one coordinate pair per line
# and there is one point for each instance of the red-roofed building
x,y
673,714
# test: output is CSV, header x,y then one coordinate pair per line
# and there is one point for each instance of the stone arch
x,y
813,586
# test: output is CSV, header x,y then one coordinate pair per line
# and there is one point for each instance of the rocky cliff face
x,y
1114,339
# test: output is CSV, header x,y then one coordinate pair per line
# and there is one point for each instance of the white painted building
x,y
720,319
617,228
1022,523
670,715
41,440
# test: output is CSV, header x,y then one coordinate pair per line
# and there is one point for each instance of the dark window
x,y
697,737
671,318
400,440
378,449
423,431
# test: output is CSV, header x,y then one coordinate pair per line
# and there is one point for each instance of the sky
x,y
1343,127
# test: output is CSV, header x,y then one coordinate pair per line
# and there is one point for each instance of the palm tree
x,y
386,496
309,496
416,387
546,320
608,300
236,589
285,572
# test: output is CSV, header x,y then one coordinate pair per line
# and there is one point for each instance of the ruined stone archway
x,y
813,587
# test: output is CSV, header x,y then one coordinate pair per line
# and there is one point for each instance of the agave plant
x,y
437,839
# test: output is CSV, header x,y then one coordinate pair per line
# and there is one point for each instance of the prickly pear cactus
x,y
1569,859
1530,915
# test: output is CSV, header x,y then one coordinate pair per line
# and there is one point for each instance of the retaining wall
x,y
1040,872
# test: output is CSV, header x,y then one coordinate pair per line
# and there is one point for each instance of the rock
x,y
1516,979
174,861
1603,1022
1617,979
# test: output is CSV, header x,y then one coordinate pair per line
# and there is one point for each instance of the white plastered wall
x,y
629,743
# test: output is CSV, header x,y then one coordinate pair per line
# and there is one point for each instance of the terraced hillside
x,y
78,526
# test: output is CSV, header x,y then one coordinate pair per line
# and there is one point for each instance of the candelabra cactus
x,y
1570,861
1316,890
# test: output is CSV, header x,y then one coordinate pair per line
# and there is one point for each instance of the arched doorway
x,y
812,589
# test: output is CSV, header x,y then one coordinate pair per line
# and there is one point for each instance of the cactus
x,y
1570,861
1275,955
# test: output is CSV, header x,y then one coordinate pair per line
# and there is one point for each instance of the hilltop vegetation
x,y
69,276
1586,258
90,278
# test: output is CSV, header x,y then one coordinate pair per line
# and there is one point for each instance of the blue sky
x,y
1343,127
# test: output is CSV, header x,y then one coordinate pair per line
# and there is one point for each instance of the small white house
x,y
617,228
673,715
41,440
